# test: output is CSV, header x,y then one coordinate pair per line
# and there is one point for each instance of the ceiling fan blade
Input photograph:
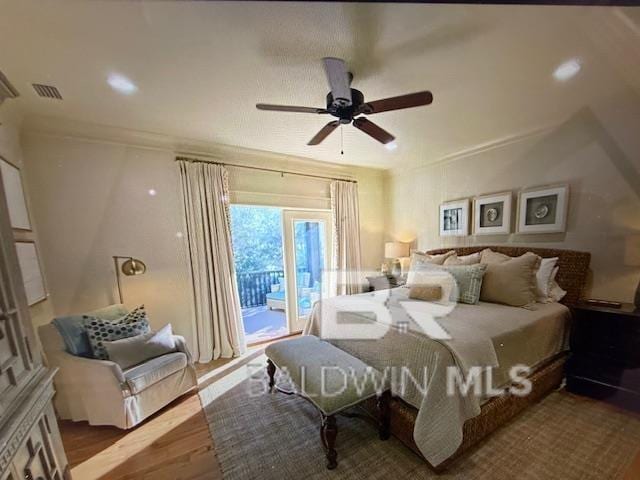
x,y
339,80
324,133
289,108
373,130
396,103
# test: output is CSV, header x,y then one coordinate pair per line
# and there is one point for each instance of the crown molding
x,y
476,149
72,129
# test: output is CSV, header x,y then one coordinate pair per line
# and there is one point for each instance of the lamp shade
x,y
396,250
133,266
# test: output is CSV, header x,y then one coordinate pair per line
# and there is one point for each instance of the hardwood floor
x,y
174,444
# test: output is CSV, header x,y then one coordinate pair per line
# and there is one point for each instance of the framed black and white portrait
x,y
543,210
454,218
492,214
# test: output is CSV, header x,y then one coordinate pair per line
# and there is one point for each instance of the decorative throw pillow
x,y
433,276
99,331
459,283
544,276
469,281
420,259
131,351
73,333
426,293
511,282
471,259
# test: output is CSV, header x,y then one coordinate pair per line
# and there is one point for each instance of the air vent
x,y
47,91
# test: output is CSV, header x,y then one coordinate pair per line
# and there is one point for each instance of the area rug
x,y
275,436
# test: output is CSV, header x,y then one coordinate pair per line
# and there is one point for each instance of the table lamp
x,y
394,251
632,259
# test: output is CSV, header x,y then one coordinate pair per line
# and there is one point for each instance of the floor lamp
x,y
131,266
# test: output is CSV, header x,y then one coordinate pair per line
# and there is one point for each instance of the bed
x,y
441,428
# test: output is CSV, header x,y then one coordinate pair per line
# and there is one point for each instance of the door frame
x,y
295,324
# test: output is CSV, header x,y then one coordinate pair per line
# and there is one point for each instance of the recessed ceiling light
x,y
567,69
391,145
152,192
121,84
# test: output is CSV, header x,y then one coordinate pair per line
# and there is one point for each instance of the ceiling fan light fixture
x,y
391,146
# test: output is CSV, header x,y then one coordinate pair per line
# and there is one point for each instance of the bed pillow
x,y
432,276
455,259
556,293
489,256
511,282
420,259
544,276
99,330
71,328
426,293
469,281
459,283
131,351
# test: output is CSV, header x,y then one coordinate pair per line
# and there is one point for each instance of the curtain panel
x,y
218,317
346,228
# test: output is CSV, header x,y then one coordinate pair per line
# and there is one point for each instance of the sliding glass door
x,y
280,255
307,254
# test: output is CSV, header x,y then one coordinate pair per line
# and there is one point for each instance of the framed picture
x,y
16,202
31,272
492,214
454,218
543,210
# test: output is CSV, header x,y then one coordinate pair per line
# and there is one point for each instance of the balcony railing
x,y
254,286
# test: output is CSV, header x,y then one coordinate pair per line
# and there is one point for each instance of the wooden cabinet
x,y
30,444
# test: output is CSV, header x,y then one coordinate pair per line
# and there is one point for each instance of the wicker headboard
x,y
572,271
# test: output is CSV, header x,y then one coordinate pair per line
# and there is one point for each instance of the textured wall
x,y
91,201
596,152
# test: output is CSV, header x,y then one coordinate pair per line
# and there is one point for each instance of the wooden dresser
x,y
30,443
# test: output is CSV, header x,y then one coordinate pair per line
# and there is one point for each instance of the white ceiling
x,y
200,68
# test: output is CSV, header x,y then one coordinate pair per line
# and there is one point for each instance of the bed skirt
x,y
494,414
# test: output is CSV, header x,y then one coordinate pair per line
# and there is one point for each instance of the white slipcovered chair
x,y
100,392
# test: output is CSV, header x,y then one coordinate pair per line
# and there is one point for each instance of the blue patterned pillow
x,y
99,330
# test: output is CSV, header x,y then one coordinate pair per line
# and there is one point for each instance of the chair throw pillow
x,y
99,330
131,351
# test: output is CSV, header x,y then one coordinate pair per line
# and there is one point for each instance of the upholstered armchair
x,y
100,392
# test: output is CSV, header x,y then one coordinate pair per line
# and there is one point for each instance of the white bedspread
x,y
483,335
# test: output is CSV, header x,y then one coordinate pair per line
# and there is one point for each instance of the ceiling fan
x,y
347,103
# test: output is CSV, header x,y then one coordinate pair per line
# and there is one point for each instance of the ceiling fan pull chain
x,y
341,139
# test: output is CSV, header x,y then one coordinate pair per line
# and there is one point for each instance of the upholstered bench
x,y
332,380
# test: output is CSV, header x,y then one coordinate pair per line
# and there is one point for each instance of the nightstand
x,y
605,359
383,282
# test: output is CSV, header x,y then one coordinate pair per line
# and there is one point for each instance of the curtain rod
x,y
264,169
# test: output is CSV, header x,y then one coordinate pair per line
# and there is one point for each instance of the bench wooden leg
x,y
328,435
271,371
384,415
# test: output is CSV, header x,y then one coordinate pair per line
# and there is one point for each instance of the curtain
x,y
218,318
346,228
